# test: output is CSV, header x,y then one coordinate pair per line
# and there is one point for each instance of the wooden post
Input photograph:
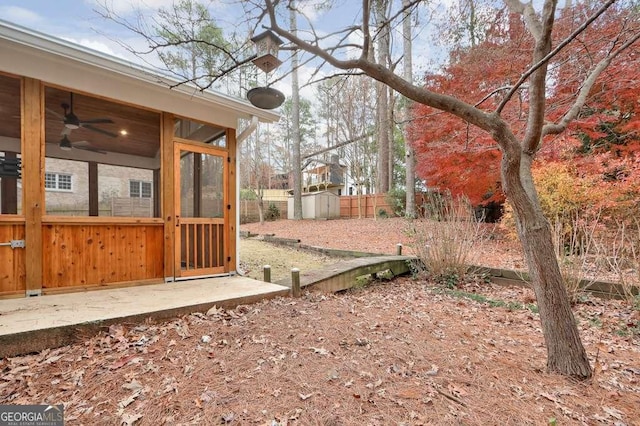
x,y
157,191
398,249
33,178
231,223
295,282
366,206
168,195
266,271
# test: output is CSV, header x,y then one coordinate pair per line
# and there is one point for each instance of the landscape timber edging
x,y
505,277
343,274
508,277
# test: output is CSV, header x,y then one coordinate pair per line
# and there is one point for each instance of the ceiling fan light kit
x,y
71,121
65,143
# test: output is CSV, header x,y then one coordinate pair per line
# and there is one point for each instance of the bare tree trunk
x,y
295,124
390,120
260,193
565,352
410,157
383,104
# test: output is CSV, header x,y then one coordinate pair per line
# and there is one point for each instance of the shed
x,y
109,177
317,205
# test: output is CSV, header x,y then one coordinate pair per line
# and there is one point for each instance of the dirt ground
x,y
382,236
255,254
399,352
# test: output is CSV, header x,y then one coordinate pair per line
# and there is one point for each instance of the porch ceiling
x,y
142,127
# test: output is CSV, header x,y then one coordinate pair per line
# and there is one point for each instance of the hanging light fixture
x,y
65,143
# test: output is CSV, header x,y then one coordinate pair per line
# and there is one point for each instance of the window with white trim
x,y
139,189
57,181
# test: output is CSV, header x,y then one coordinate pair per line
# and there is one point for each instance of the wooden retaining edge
x,y
342,275
338,253
602,289
498,276
270,238
291,242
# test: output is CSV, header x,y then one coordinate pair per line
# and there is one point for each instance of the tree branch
x,y
538,82
552,53
555,128
380,73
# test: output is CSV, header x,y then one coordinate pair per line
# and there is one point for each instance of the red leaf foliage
x,y
602,142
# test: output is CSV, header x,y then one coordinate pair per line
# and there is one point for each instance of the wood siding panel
x,y
12,264
86,255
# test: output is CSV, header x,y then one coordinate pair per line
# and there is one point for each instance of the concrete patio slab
x,y
33,324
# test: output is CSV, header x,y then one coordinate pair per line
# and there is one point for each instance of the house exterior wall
x,y
113,183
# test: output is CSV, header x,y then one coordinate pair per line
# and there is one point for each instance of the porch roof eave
x,y
100,74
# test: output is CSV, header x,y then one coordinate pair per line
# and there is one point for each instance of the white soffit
x,y
28,53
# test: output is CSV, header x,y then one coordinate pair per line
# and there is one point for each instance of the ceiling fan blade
x,y
55,113
95,129
88,148
96,120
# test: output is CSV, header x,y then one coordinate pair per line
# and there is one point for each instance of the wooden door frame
x,y
195,147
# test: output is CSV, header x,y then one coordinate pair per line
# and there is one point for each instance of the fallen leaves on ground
x,y
398,352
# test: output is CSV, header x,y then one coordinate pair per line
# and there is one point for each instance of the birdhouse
x,y
267,46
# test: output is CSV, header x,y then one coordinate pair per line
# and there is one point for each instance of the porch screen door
x,y
201,200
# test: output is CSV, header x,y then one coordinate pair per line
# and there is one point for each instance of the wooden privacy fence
x,y
354,206
249,210
348,207
370,204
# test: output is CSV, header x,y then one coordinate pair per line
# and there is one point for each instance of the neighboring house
x,y
123,180
322,185
321,175
121,191
281,181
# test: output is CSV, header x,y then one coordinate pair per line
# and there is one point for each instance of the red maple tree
x,y
601,144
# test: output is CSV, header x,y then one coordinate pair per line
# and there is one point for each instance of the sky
x,y
75,21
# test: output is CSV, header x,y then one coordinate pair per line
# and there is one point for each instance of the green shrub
x,y
383,213
248,194
397,200
272,213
